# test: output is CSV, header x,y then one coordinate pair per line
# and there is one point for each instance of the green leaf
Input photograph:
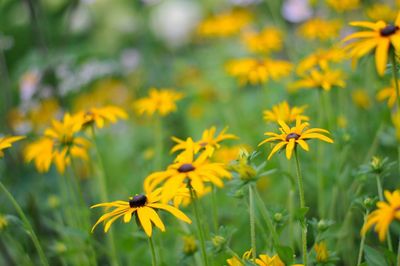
x,y
373,257
286,254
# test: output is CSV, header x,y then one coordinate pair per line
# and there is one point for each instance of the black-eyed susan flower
x,y
343,5
6,142
183,197
270,39
162,102
99,116
265,260
224,24
188,169
236,261
59,145
324,79
380,11
320,58
380,36
382,217
389,94
258,71
321,251
320,29
283,111
144,207
209,141
291,137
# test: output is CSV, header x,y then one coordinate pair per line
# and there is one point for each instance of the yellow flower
x,y
236,261
381,12
183,197
343,5
388,94
291,137
144,207
384,215
265,260
361,98
41,115
396,123
379,35
229,154
320,79
161,101
321,59
282,111
321,251
6,142
59,145
209,142
189,245
224,24
257,71
3,222
188,169
100,115
320,29
268,40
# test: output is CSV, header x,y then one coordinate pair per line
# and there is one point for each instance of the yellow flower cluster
x,y
320,29
268,40
161,102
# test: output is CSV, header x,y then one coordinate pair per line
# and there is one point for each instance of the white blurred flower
x,y
296,11
80,19
174,20
244,2
130,59
29,84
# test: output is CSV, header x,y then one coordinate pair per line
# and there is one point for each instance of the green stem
x,y
153,253
27,225
102,179
320,150
158,143
291,215
214,207
398,254
362,243
395,77
200,230
302,206
252,223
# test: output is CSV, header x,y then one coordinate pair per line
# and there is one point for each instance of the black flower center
x,y
292,136
138,201
388,30
186,167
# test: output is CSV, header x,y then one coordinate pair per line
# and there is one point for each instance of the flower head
x,y
321,251
381,11
100,115
321,59
384,215
268,40
161,101
188,169
265,260
380,36
284,112
291,137
343,5
320,29
257,71
320,79
389,94
59,145
6,142
144,207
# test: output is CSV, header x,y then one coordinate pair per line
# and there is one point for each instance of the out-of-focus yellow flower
x,y
320,79
380,36
291,137
3,222
59,145
361,98
41,115
396,123
384,215
268,40
381,11
189,245
229,154
53,201
282,111
100,115
343,5
321,59
320,29
224,24
388,94
6,142
236,261
162,102
321,251
183,197
342,121
149,153
265,260
258,71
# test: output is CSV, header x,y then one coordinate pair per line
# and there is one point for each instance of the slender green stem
x,y
102,179
27,225
291,215
398,254
395,76
362,243
214,207
266,217
153,252
252,223
158,143
200,230
302,206
320,150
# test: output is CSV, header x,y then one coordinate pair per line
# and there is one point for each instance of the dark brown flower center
x,y
186,167
138,201
388,30
292,136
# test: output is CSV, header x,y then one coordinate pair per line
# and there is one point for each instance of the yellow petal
x,y
174,211
144,220
153,216
381,55
289,148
